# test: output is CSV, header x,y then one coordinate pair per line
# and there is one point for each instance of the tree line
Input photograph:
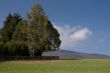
x,y
28,37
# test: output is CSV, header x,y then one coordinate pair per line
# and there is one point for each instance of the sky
x,y
84,25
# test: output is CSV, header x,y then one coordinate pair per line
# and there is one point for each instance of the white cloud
x,y
71,36
81,34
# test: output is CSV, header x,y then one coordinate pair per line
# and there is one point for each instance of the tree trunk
x,y
38,53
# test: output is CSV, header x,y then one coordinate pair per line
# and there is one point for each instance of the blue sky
x,y
83,24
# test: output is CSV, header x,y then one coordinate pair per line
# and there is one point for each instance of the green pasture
x,y
56,66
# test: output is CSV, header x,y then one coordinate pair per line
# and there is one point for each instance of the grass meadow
x,y
56,66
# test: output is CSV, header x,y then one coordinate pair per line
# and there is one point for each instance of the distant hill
x,y
64,54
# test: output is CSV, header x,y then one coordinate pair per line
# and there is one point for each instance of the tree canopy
x,y
30,36
9,26
44,35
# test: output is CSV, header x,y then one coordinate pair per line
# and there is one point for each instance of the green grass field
x,y
57,66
